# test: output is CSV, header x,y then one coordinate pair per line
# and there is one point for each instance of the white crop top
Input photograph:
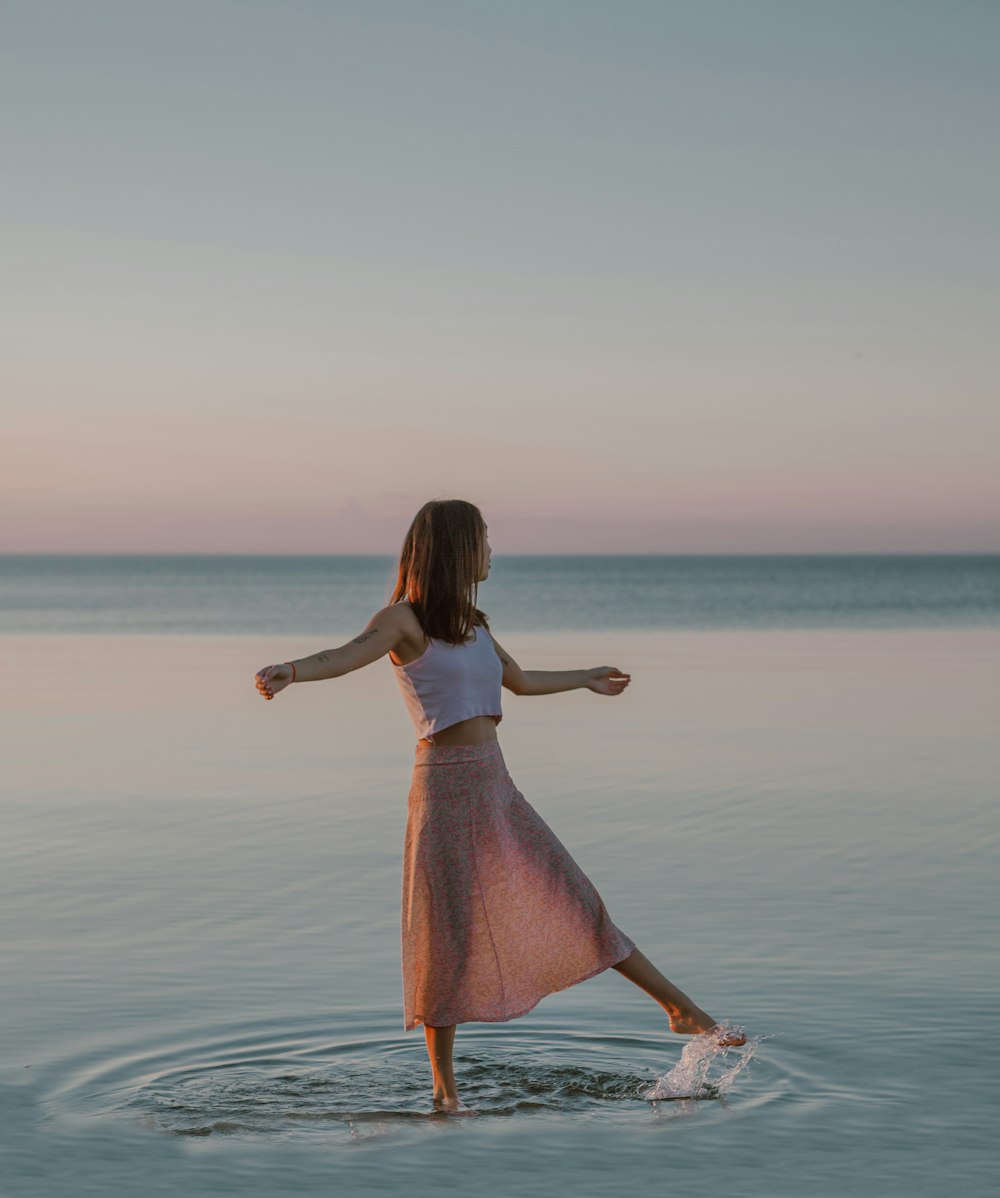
x,y
449,683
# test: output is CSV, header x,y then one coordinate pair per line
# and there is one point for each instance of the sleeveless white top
x,y
449,683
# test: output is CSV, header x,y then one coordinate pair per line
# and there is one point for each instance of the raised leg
x,y
686,1018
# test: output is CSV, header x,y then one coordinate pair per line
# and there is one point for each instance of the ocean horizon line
x,y
40,553
246,592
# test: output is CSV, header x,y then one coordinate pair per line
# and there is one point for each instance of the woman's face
x,y
484,565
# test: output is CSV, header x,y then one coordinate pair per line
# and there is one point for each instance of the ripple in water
x,y
296,1086
246,1099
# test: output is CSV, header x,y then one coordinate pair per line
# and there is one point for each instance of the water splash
x,y
706,1068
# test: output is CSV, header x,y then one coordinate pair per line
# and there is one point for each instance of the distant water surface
x,y
241,594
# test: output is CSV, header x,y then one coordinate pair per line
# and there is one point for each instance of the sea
x,y
793,809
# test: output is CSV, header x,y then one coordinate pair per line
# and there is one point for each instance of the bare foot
x,y
729,1035
452,1106
700,1024
689,1021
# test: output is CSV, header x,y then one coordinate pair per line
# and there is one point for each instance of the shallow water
x,y
200,971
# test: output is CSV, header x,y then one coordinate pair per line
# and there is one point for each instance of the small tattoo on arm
x,y
322,657
360,640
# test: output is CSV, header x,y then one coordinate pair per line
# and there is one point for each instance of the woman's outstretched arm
x,y
384,632
603,680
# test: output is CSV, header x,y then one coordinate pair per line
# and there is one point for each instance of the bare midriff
x,y
476,731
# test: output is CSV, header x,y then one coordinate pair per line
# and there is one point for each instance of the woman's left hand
x,y
606,680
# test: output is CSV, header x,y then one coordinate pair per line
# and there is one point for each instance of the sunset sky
x,y
640,276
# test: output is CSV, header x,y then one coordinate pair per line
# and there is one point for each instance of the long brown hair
x,y
439,569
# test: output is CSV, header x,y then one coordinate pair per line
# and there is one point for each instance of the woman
x,y
495,912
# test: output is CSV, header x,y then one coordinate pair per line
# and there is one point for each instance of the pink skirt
x,y
496,913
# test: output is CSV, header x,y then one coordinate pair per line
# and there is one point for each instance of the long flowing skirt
x,y
495,912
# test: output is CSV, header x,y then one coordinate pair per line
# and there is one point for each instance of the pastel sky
x,y
643,276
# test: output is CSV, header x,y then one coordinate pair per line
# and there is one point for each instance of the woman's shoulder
x,y
402,615
411,642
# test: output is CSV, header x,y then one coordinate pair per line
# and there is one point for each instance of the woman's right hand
x,y
272,679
